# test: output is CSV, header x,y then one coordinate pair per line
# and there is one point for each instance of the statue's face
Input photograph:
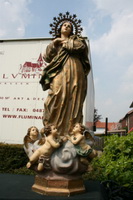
x,y
33,131
66,28
53,130
77,128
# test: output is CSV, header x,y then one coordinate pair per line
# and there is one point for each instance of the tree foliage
x,y
96,116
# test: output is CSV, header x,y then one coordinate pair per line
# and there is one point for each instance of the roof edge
x,y
28,39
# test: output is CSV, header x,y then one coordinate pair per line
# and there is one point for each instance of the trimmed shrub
x,y
13,159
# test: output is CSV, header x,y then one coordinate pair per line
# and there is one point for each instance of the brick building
x,y
100,127
127,120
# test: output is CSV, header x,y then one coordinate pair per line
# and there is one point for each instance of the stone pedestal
x,y
58,186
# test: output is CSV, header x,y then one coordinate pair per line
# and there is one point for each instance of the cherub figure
x,y
78,138
44,152
32,140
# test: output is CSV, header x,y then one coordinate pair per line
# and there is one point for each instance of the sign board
x,y
21,95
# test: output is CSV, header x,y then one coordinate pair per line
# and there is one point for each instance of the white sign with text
x,y
21,95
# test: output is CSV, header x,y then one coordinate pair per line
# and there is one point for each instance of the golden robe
x,y
66,79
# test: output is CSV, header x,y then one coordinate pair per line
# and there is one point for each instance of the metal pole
x,y
106,126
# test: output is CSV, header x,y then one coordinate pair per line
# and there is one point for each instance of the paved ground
x,y
15,187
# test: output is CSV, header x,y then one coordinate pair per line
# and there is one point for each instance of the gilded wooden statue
x,y
64,153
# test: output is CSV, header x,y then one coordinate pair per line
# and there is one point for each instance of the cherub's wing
x,y
94,141
88,135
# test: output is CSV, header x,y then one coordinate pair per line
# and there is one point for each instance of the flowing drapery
x,y
66,79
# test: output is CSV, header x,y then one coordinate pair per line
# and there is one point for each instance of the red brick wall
x,y
127,122
130,121
123,123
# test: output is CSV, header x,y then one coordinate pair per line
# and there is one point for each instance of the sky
x,y
108,24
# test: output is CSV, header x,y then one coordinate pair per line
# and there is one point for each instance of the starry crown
x,y
57,21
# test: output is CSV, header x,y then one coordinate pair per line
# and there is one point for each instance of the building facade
x,y
127,121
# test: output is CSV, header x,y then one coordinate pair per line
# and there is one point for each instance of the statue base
x,y
58,185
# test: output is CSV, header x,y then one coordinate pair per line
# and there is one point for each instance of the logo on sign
x,y
30,67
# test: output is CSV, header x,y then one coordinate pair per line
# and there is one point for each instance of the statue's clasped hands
x,y
59,41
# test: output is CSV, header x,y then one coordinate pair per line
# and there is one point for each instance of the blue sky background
x,y
109,26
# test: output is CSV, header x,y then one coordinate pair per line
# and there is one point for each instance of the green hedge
x,y
116,162
13,159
